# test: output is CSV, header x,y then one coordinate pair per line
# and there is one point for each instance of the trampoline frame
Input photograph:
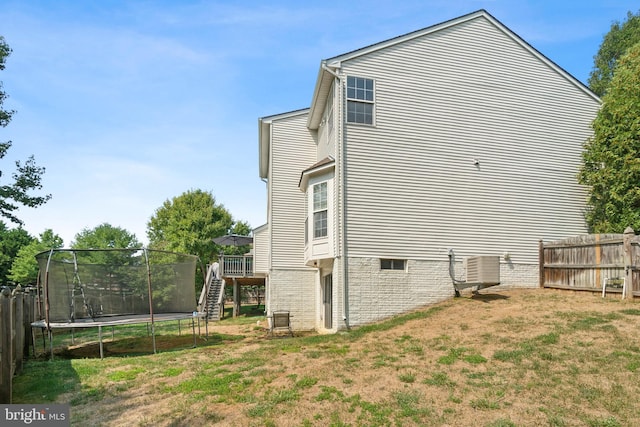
x,y
134,319
114,320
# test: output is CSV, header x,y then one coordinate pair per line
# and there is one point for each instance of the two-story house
x,y
460,136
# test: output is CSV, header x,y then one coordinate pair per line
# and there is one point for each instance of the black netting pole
x,y
46,289
47,303
153,329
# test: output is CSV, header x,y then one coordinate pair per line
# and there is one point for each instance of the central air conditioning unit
x,y
484,270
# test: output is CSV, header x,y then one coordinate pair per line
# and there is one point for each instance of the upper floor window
x,y
359,100
320,210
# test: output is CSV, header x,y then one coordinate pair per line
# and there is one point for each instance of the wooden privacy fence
x,y
591,262
17,311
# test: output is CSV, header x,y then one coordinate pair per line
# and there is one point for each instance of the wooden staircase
x,y
215,298
212,296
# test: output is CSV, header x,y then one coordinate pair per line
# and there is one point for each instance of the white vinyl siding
x,y
261,249
328,130
292,150
442,101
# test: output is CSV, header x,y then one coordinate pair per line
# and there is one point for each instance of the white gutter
x,y
330,71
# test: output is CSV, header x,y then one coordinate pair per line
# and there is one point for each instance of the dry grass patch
x,y
520,357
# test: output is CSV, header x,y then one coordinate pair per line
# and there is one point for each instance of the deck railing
x,y
236,266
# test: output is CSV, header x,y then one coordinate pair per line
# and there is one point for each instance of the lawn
x,y
501,358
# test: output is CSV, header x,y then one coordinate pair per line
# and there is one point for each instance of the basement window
x,y
392,264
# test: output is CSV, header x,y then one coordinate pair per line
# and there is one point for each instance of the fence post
x,y
541,262
628,272
18,329
6,362
27,304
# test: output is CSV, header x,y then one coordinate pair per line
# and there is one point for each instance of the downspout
x,y
340,151
267,181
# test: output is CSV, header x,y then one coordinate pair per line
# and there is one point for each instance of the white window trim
x,y
362,101
324,209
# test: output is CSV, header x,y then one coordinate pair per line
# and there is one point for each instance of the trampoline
x,y
94,288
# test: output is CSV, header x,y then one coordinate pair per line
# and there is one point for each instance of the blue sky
x,y
129,103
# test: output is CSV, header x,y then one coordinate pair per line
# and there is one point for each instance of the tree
x,y
27,176
611,158
188,223
614,45
24,269
11,241
114,263
241,228
105,236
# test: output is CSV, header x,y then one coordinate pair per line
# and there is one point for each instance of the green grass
x,y
440,379
407,377
559,367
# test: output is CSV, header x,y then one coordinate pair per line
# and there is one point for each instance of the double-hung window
x,y
320,210
359,100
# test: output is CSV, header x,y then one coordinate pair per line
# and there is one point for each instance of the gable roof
x,y
329,66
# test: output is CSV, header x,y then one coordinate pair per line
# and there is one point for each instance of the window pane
x,y
368,95
392,264
320,196
359,88
359,112
320,224
369,84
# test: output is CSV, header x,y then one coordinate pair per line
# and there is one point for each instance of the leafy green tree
x,y
27,176
611,158
241,228
620,37
105,236
11,241
110,268
188,223
24,269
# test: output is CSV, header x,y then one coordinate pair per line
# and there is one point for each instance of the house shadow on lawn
x,y
487,298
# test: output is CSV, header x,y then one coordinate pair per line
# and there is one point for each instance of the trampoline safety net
x,y
83,284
